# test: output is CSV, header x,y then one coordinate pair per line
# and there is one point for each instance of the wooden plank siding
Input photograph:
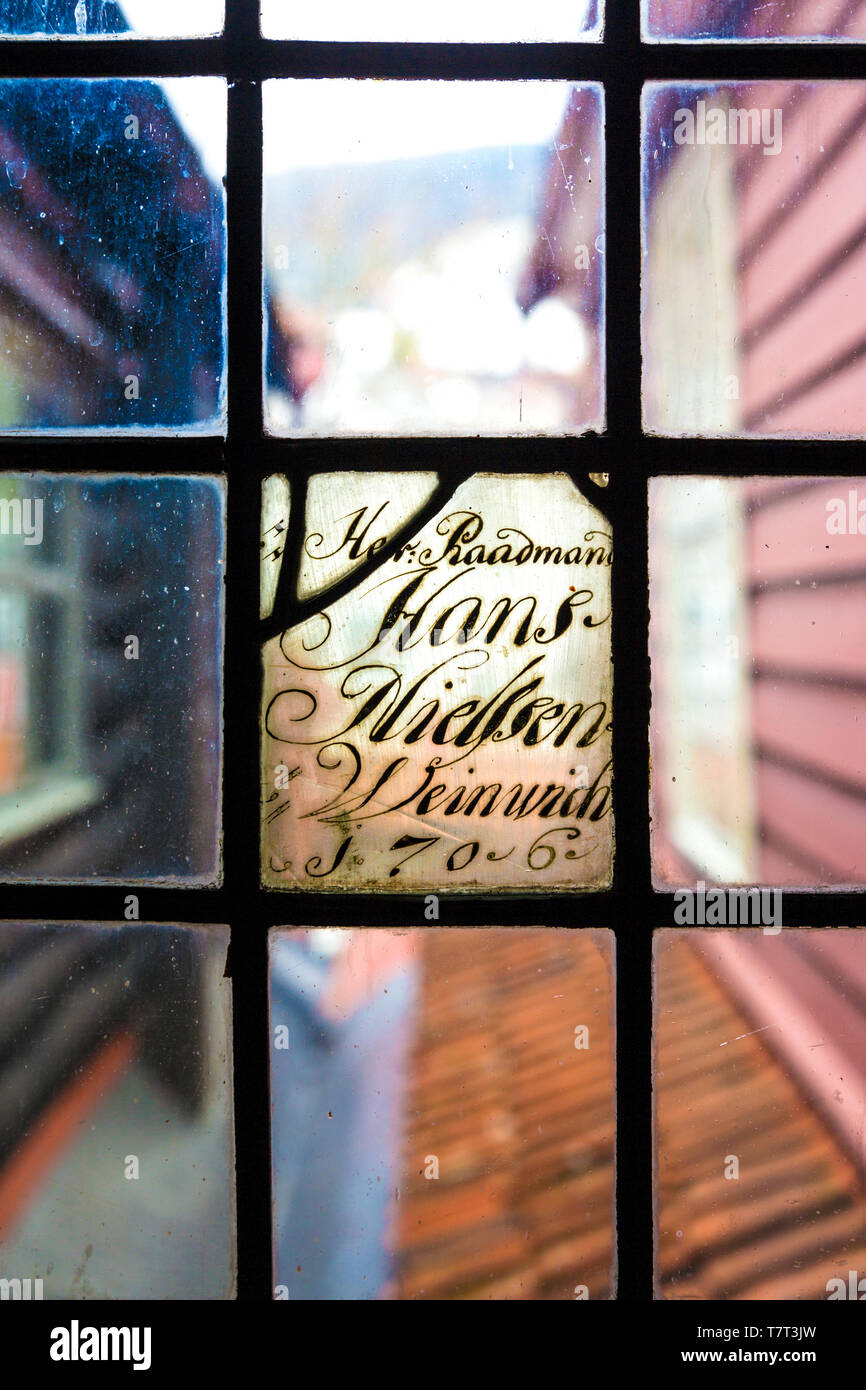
x,y
807,642
801,255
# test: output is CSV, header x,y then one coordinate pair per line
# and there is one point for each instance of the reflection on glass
x,y
111,606
445,723
754,259
760,1091
755,20
116,1135
112,229
758,644
149,19
443,1112
480,21
433,257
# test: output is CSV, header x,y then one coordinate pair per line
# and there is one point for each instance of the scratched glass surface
x,y
111,634
443,1113
758,647
443,720
756,21
434,257
116,1116
754,269
112,251
81,19
452,21
760,1091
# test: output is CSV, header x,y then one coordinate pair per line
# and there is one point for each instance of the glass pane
x,y
758,644
116,1132
754,259
760,1091
482,21
112,229
443,1113
147,19
445,723
756,20
111,634
434,259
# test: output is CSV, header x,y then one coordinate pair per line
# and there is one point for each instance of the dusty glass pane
x,y
446,722
758,646
116,1130
148,19
434,258
112,229
111,635
754,259
480,21
755,20
760,1092
443,1113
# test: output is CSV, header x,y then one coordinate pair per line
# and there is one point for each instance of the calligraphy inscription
x,y
447,724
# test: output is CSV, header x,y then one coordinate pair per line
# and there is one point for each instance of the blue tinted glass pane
x,y
112,249
150,19
111,613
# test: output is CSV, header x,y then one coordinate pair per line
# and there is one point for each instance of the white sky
x,y
339,121
173,19
395,21
411,21
320,122
309,123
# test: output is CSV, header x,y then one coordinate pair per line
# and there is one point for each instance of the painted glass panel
x,y
445,722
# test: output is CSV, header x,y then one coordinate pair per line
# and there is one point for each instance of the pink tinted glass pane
x,y
760,1087
758,644
754,20
755,259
